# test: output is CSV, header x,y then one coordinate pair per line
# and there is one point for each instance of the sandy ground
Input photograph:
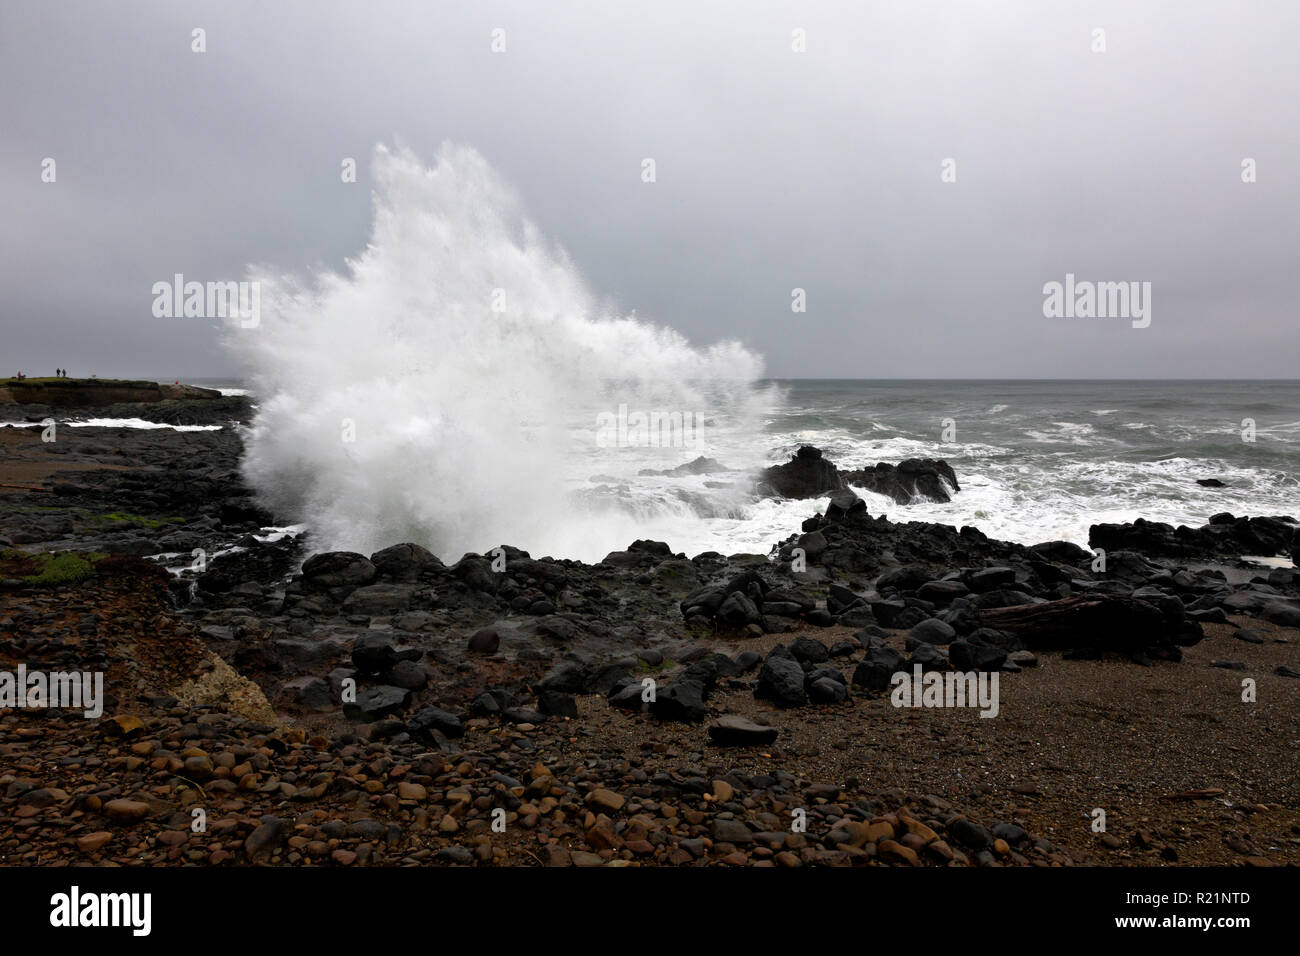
x,y
1070,737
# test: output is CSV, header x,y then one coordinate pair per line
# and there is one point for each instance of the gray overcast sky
x,y
775,169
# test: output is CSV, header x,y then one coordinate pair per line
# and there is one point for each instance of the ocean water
x,y
1036,461
1043,460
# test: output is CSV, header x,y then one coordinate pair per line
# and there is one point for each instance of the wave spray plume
x,y
446,388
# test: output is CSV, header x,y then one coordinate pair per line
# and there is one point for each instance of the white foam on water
x,y
1268,561
1026,504
139,423
118,423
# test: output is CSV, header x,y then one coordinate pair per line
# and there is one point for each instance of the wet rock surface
x,y
915,479
809,474
1223,535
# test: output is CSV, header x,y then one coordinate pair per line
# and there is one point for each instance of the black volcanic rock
x,y
257,561
845,504
976,657
781,680
1094,621
700,466
376,702
485,641
926,479
1225,536
933,631
404,562
806,475
374,653
738,610
877,668
681,700
332,569
809,649
428,719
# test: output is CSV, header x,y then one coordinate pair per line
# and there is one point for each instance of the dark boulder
x,y
941,593
907,578
1282,614
878,666
781,680
375,702
429,719
970,835
557,704
989,579
378,599
916,479
808,650
995,638
374,653
566,677
704,601
825,690
404,562
476,573
699,466
976,657
485,641
738,610
844,504
887,612
839,599
336,569
933,631
681,700
806,475
1063,552
929,657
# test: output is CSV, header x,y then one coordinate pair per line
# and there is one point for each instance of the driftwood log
x,y
1095,621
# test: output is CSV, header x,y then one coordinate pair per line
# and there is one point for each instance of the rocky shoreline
x,y
345,709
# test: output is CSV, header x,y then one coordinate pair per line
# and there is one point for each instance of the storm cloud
x,y
795,146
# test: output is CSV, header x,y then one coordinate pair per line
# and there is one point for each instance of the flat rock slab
x,y
732,730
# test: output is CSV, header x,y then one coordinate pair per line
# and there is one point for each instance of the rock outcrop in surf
x,y
809,474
